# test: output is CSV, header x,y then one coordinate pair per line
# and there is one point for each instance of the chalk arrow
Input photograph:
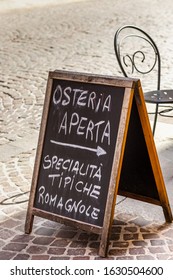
x,y
99,151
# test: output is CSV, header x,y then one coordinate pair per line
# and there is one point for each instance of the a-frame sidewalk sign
x,y
95,142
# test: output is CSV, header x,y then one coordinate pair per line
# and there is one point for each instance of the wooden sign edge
x,y
67,221
93,78
152,152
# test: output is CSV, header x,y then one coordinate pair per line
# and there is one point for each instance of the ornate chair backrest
x,y
137,53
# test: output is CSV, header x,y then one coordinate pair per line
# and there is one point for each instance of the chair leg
x,y
155,118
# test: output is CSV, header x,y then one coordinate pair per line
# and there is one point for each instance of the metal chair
x,y
136,52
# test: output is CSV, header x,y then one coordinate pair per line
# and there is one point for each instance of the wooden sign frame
x,y
132,93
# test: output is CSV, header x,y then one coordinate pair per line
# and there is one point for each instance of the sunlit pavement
x,y
72,35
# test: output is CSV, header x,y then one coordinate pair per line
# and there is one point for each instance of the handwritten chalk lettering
x,y
58,181
56,176
52,201
94,131
73,166
70,205
81,98
74,206
46,198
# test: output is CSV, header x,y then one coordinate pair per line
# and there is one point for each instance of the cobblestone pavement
x,y
72,35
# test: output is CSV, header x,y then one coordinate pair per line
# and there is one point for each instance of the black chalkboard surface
x,y
78,150
95,142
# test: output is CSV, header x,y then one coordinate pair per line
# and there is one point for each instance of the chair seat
x,y
159,96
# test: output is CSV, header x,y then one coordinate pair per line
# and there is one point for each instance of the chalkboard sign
x,y
92,127
78,150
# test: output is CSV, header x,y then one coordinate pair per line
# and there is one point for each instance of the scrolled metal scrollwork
x,y
138,56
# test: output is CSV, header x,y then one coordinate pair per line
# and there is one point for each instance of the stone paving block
x,y
125,258
150,236
163,256
78,244
141,222
56,251
94,245
81,258
6,233
60,258
121,220
6,255
170,248
145,257
115,236
36,249
140,243
168,241
23,238
76,252
131,229
87,236
60,243
169,233
155,250
45,231
42,240
116,229
10,223
2,243
120,244
15,246
131,236
42,257
66,234
52,225
22,257
117,252
137,251
157,242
